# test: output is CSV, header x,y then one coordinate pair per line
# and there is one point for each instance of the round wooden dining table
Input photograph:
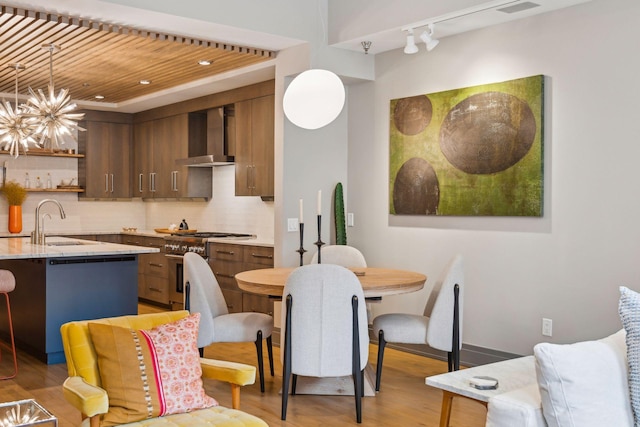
x,y
376,282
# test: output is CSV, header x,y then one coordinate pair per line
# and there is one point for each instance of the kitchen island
x,y
66,279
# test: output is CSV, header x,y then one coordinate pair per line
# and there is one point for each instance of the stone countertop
x,y
62,247
250,241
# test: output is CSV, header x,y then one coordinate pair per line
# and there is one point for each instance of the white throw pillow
x,y
584,384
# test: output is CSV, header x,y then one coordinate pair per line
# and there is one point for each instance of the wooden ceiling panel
x,y
102,59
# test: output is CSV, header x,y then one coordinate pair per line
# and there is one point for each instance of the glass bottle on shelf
x,y
27,182
38,182
49,184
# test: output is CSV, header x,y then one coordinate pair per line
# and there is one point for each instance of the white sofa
x,y
575,385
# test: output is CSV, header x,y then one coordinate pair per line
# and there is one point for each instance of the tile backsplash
x,y
223,212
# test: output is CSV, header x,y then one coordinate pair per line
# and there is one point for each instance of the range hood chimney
x,y
211,138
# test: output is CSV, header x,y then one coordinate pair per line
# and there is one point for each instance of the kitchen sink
x,y
73,243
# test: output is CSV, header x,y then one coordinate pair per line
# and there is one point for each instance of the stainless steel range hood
x,y
214,138
205,161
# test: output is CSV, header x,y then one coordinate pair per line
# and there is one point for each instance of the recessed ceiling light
x,y
145,82
205,62
99,96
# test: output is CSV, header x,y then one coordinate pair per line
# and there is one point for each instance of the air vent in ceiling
x,y
518,7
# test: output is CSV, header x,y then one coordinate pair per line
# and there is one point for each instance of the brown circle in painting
x,y
487,133
412,115
416,190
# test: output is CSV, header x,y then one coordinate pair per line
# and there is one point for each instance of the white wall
x,y
566,266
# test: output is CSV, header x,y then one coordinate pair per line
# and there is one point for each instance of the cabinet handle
x,y
153,264
248,176
152,182
174,180
140,183
112,188
262,256
155,289
106,182
218,251
253,177
231,276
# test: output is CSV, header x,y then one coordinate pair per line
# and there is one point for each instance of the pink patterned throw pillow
x,y
150,373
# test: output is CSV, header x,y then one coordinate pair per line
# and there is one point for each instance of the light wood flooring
x,y
404,399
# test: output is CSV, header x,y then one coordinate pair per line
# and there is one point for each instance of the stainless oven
x,y
176,246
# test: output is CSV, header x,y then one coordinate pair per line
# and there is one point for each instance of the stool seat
x,y
8,284
7,281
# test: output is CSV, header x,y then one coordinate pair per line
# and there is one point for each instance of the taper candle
x,y
319,202
300,216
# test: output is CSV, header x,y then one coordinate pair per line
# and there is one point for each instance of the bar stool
x,y
8,284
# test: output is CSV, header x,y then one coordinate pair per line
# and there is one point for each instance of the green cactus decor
x,y
341,232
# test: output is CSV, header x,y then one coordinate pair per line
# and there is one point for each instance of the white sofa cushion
x,y
520,407
584,384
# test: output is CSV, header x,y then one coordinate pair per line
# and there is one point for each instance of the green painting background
x,y
516,191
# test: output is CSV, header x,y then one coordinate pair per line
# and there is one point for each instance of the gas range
x,y
180,243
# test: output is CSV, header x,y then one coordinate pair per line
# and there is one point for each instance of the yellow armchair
x,y
83,388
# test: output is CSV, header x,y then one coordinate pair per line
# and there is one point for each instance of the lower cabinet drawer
x,y
156,289
225,272
155,265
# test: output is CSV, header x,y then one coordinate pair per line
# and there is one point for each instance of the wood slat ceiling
x,y
103,59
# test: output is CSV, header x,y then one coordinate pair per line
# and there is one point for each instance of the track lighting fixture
x,y
427,38
411,47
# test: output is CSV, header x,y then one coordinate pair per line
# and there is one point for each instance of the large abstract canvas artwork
x,y
472,151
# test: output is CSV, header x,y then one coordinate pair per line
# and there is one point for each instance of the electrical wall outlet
x,y
292,224
547,327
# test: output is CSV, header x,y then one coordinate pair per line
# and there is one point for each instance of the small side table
x,y
511,374
25,413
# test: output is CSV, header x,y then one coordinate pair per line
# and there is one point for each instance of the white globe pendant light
x,y
314,99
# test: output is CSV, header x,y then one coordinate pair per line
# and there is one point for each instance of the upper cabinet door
x,y
142,181
105,171
254,147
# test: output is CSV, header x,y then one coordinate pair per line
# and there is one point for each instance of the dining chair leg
x,y
270,353
294,383
355,361
286,363
260,361
13,344
381,344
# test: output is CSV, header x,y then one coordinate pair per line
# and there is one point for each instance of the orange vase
x,y
15,219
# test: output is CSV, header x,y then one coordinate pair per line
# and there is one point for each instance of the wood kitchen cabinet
x,y
157,145
254,152
226,260
105,170
153,270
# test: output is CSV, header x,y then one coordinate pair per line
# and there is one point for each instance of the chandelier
x,y
16,127
44,120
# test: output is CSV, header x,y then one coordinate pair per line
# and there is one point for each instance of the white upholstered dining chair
x,y
346,256
325,331
439,327
203,295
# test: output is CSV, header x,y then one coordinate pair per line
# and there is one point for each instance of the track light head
x,y
410,47
427,38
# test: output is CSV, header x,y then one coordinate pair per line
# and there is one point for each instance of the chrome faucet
x,y
37,236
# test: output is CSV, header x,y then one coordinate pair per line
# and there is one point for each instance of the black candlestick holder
x,y
302,250
319,243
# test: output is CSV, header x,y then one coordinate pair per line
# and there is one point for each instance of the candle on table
x,y
300,217
319,202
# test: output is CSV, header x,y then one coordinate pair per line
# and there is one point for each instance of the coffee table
x,y
511,374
